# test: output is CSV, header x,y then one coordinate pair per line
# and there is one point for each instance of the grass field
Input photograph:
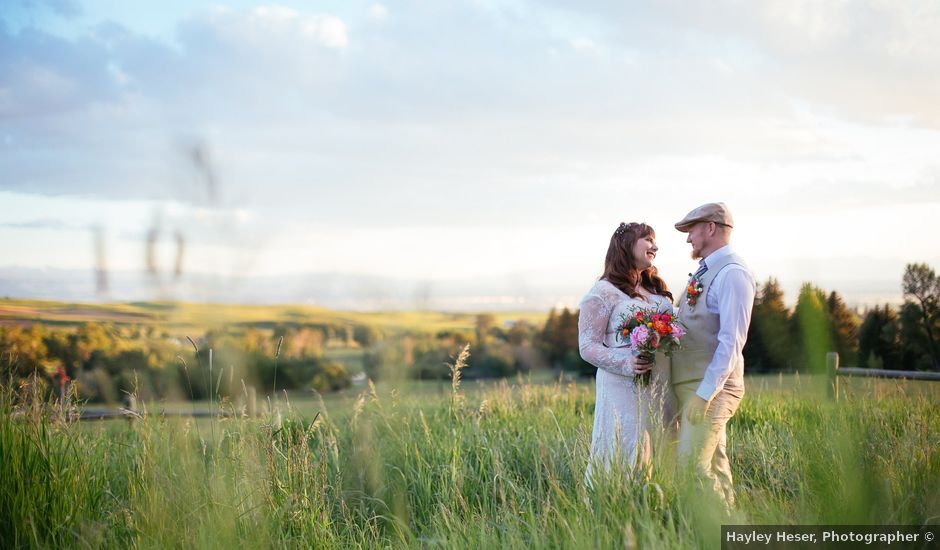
x,y
482,466
199,316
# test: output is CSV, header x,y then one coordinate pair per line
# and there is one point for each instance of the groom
x,y
708,372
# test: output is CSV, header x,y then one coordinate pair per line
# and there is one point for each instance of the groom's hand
x,y
695,410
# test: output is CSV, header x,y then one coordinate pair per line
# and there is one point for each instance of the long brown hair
x,y
620,268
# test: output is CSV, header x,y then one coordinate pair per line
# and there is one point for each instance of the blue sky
x,y
490,139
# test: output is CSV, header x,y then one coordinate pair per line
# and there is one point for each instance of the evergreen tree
x,y
567,330
844,325
559,341
570,351
921,284
755,351
547,338
913,340
811,329
768,344
879,339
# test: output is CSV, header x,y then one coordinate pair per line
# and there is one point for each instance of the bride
x,y
624,412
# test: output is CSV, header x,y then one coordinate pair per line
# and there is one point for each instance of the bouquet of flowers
x,y
648,331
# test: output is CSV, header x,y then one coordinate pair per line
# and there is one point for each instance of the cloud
x,y
42,75
869,60
65,8
378,12
333,118
274,27
68,9
582,44
93,113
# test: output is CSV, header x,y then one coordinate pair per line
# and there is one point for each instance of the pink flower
x,y
639,336
677,330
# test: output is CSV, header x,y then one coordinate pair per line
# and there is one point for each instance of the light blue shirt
x,y
731,297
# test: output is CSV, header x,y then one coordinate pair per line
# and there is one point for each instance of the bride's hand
x,y
640,365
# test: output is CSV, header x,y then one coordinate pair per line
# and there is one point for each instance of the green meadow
x,y
482,465
435,462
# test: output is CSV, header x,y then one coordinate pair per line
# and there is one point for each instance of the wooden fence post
x,y
64,399
832,369
252,402
132,408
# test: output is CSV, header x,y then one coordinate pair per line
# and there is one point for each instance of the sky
x,y
491,141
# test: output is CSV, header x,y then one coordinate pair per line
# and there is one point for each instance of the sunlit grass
x,y
180,315
502,466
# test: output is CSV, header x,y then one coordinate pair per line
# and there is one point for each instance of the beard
x,y
696,253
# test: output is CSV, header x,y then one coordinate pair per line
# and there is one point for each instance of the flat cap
x,y
712,212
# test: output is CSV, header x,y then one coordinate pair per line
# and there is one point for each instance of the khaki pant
x,y
705,444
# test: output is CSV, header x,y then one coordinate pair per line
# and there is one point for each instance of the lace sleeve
x,y
592,327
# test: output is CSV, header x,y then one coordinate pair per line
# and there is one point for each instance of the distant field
x,y
339,404
201,316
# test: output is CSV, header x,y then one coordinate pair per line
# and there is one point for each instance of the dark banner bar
x,y
894,537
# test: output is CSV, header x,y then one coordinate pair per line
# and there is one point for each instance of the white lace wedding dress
x,y
625,414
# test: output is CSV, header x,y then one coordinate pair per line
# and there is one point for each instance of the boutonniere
x,y
694,290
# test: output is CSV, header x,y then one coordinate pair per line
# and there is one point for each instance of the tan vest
x,y
701,341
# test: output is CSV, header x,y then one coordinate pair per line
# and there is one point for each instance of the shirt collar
x,y
717,255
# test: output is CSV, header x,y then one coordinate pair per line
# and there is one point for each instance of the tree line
x,y
497,351
781,339
106,361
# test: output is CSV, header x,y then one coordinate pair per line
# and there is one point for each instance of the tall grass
x,y
501,468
